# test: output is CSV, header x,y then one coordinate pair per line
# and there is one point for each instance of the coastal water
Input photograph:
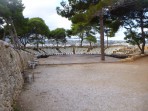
x,y
77,42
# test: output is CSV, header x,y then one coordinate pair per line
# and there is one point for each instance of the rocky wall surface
x,y
12,63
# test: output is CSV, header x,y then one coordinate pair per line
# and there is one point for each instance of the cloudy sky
x,y
46,9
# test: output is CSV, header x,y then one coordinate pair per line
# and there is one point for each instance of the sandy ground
x,y
88,87
74,59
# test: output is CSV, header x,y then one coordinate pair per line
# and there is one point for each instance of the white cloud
x,y
55,20
45,9
119,35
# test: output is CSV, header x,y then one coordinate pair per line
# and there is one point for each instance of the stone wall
x,y
12,63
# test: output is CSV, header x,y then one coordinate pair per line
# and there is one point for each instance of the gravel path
x,y
75,59
88,87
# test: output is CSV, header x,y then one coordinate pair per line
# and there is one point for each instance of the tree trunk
x,y
15,35
4,34
139,46
12,32
26,41
24,46
142,32
37,45
73,50
102,35
12,37
37,42
81,36
90,45
57,44
81,42
107,41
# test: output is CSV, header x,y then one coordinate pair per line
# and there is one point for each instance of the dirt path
x,y
75,59
88,87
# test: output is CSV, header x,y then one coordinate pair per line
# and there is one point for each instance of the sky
x,y
46,9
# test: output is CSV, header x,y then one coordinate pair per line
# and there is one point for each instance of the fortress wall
x,y
12,64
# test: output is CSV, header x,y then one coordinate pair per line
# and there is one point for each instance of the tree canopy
x,y
115,14
16,26
59,35
11,13
38,30
86,12
38,26
133,17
